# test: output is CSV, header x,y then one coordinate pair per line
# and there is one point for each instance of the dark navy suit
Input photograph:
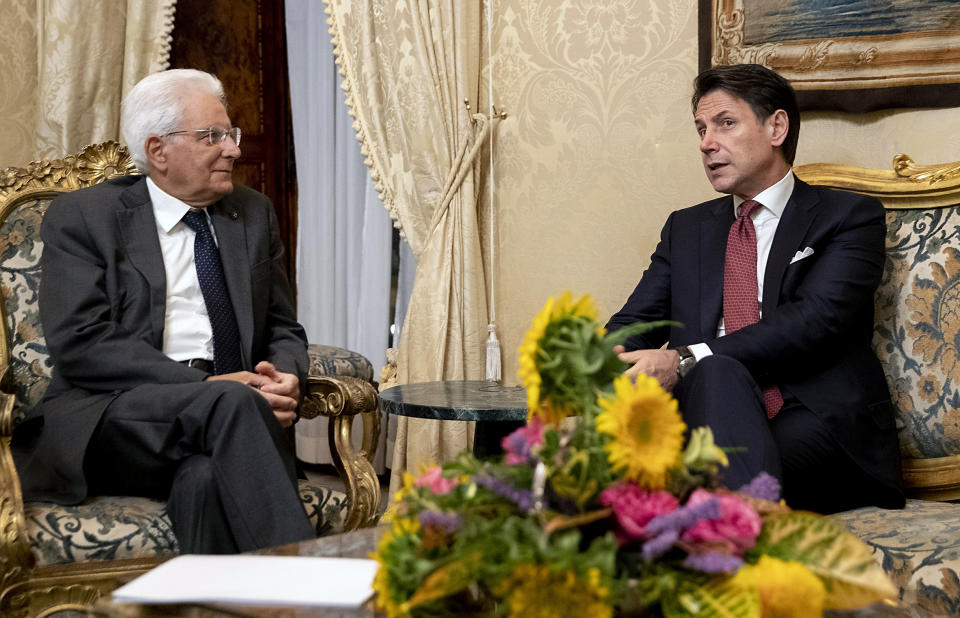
x,y
813,340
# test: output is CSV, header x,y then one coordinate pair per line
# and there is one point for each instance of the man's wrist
x,y
687,361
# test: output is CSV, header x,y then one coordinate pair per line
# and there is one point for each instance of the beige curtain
x,y
408,67
66,66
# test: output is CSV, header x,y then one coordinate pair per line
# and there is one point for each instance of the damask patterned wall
x,y
599,146
63,75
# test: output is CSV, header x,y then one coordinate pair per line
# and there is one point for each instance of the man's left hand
x,y
658,364
277,382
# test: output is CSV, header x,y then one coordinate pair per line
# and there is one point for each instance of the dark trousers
x,y
218,455
795,446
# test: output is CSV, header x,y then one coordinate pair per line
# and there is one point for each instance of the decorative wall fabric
x,y
67,67
408,66
345,235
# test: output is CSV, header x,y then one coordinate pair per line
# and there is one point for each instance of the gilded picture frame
x,y
854,56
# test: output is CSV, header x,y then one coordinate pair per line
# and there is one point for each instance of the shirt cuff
x,y
700,351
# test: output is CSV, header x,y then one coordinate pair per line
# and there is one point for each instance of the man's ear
x,y
779,125
156,151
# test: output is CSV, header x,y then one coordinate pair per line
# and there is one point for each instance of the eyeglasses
x,y
211,136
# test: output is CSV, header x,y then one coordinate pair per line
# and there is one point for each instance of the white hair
x,y
155,106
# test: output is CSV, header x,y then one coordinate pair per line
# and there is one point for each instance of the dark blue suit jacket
x,y
815,335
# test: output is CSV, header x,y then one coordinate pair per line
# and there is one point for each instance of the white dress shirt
x,y
186,326
765,221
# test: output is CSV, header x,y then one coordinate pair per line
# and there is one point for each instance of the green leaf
x,y
714,598
617,337
845,565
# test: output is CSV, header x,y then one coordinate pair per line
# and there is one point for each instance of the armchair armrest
x,y
16,560
340,399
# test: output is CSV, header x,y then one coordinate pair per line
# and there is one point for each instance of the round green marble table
x,y
497,409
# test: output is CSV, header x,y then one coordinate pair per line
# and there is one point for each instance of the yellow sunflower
x,y
537,591
786,589
550,413
647,430
529,372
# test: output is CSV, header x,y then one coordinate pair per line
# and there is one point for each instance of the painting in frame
x,y
846,55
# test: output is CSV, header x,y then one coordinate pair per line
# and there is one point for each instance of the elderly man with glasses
x,y
177,355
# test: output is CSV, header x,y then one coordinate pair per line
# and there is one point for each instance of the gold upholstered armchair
x,y
55,556
917,338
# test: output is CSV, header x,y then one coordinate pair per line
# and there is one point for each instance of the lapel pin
x,y
234,215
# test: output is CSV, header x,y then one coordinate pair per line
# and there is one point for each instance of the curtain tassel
x,y
493,354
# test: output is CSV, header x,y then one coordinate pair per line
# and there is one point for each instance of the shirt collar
x,y
774,198
167,209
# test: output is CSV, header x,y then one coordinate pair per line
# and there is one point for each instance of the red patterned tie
x,y
740,305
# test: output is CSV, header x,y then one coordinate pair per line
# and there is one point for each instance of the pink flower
x,y
434,480
735,530
634,507
518,446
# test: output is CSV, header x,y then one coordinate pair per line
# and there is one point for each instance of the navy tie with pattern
x,y
213,286
741,306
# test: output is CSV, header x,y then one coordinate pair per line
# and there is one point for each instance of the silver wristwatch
x,y
687,361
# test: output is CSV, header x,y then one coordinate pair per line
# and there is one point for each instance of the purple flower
x,y
658,545
518,446
522,497
684,517
764,487
713,562
664,530
440,521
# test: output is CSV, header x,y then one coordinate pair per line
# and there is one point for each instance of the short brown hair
x,y
762,89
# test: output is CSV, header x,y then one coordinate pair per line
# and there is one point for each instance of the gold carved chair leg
x,y
342,399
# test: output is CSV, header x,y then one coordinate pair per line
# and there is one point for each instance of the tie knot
x,y
195,219
749,207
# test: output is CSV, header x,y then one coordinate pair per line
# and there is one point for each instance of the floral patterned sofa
x,y
917,337
54,556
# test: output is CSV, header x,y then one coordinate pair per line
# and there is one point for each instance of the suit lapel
x,y
138,229
232,243
797,217
714,229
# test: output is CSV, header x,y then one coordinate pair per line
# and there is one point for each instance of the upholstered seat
x,y
919,548
916,337
52,555
326,360
111,527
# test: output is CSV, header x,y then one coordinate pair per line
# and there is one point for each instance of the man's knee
x,y
717,369
196,472
237,398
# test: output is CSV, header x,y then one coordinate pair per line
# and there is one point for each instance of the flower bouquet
x,y
610,511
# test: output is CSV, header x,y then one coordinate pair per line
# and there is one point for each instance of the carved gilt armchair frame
x,y
921,203
30,590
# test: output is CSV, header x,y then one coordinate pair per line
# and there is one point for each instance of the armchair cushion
x,y
918,328
330,361
918,547
20,249
114,527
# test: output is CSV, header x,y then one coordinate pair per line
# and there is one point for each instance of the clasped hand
x,y
658,364
280,389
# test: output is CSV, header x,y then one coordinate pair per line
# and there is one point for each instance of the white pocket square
x,y
799,255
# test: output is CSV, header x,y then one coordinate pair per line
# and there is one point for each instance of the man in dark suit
x,y
773,288
177,355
